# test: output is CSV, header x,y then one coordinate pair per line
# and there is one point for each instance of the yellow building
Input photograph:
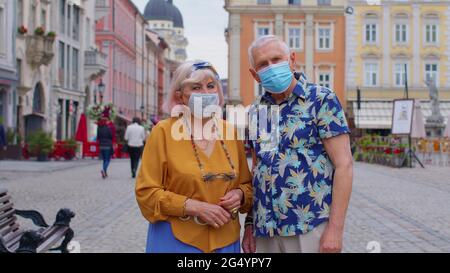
x,y
381,40
314,29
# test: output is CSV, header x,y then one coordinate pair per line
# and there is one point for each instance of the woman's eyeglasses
x,y
225,176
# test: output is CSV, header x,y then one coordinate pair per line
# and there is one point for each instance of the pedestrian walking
x,y
105,142
135,136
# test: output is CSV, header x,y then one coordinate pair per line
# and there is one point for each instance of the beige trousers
x,y
304,243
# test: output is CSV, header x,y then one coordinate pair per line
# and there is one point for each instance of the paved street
x,y
401,210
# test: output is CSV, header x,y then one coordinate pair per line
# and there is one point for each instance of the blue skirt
x,y
160,239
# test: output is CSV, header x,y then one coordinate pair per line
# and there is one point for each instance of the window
x,y
44,18
431,72
431,34
263,31
324,38
62,16
32,18
69,16
2,31
76,23
371,74
19,13
37,99
2,104
323,2
400,33
294,2
370,33
324,79
61,63
264,2
294,37
399,74
88,31
75,69
67,67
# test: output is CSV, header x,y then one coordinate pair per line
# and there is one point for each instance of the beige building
x,y
35,53
314,30
381,40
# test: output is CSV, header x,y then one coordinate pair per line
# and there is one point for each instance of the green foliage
x,y
40,143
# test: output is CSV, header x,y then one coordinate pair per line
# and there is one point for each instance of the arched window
x,y
38,98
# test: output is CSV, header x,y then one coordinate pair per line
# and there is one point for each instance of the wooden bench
x,y
15,239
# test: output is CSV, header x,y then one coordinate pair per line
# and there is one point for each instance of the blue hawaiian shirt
x,y
293,178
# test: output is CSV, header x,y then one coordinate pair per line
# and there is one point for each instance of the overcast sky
x,y
204,25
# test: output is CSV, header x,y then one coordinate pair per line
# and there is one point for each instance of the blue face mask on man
x,y
276,78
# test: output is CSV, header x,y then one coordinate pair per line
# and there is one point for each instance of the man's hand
x,y
331,241
249,241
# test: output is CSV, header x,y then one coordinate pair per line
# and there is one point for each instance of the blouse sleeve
x,y
245,179
155,202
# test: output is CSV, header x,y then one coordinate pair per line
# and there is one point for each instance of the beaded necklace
x,y
211,176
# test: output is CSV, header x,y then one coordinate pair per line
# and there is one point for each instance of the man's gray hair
x,y
262,41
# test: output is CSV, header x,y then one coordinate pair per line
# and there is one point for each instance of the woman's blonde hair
x,y
186,73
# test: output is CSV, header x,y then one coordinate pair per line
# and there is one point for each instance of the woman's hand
x,y
232,200
213,215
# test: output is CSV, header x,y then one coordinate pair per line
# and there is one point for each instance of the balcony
x,y
95,64
39,50
101,9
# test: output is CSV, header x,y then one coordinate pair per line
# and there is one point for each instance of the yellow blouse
x,y
170,174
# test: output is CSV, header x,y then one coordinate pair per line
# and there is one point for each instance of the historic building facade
x,y
314,30
384,39
8,71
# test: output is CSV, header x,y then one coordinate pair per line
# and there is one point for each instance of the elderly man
x,y
296,176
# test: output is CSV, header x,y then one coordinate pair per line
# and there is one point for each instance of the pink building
x,y
116,36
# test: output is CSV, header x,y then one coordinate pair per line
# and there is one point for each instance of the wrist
x,y
190,207
241,194
336,226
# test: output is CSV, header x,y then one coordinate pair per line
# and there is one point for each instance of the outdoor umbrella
x,y
418,126
447,128
81,134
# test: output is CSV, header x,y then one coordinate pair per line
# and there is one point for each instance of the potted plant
x,y
51,35
69,149
22,30
40,144
39,31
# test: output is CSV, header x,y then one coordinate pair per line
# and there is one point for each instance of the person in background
x,y
2,135
135,136
105,142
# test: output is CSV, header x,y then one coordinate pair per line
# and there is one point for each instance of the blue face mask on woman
x,y
276,78
199,101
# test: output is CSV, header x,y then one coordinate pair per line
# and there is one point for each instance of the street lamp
x,y
142,111
101,90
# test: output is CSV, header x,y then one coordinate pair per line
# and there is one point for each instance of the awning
x,y
123,117
378,114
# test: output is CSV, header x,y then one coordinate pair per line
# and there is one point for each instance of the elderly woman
x,y
191,189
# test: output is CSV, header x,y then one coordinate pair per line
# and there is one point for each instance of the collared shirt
x,y
135,135
292,181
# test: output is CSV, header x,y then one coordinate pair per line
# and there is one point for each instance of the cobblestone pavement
x,y
399,210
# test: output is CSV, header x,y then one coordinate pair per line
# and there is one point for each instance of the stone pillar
x,y
235,58
415,36
279,26
309,46
386,38
63,120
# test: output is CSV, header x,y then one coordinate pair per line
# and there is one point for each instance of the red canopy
x,y
82,134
